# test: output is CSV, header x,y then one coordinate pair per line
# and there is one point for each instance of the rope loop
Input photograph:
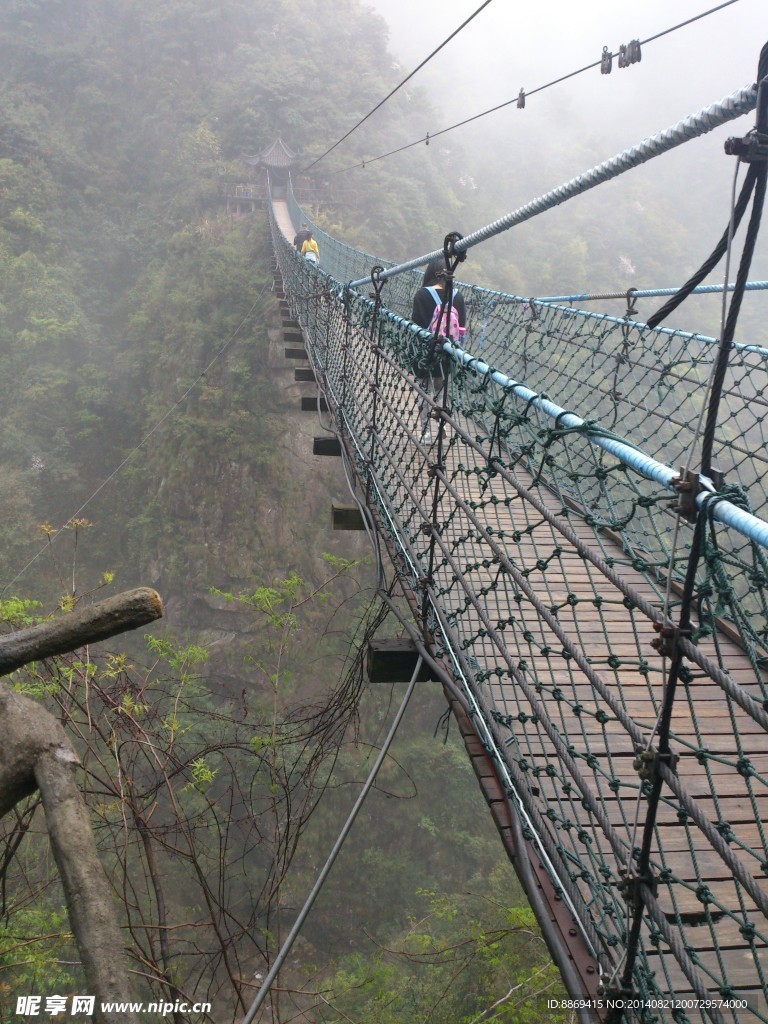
x,y
377,283
530,402
449,251
498,408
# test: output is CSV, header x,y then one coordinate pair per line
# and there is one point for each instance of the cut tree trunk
x,y
36,755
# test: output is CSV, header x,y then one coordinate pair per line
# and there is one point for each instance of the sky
x,y
512,45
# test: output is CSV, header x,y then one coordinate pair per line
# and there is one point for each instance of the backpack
x,y
449,323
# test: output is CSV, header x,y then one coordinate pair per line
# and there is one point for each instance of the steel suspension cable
x,y
695,125
400,85
526,94
298,924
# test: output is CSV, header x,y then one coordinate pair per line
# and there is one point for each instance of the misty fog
x,y
153,430
571,126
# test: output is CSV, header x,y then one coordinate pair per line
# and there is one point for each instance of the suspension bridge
x,y
593,599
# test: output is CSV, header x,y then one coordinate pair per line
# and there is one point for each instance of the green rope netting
x,y
540,566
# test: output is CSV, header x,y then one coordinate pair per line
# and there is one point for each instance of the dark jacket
x,y
301,237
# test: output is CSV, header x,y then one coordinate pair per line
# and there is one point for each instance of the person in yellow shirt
x,y
309,250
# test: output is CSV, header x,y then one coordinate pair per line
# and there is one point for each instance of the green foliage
x,y
37,954
202,773
181,658
468,958
18,612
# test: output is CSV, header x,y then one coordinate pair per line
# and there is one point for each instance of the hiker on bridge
x,y
301,236
433,370
309,249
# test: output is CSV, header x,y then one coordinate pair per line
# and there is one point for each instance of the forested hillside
x,y
150,436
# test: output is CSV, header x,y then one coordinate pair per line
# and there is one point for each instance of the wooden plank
x,y
347,517
708,864
741,973
326,446
393,660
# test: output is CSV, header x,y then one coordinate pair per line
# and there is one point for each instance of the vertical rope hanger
x,y
754,149
452,259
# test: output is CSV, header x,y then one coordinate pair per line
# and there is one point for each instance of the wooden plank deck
x,y
711,734
283,218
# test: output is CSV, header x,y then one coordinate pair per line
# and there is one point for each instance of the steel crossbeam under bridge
x,y
541,536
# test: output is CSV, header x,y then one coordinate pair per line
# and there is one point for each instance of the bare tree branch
x,y
36,755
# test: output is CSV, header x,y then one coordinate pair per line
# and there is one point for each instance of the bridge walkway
x,y
568,747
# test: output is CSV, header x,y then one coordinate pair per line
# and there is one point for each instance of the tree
x,y
469,958
35,755
198,803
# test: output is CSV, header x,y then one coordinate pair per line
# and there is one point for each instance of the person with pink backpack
x,y
445,324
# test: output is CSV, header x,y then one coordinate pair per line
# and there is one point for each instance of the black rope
x,y
397,87
709,265
452,259
755,183
726,343
378,284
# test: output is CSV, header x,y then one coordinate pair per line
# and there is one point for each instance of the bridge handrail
x,y
706,120
649,293
749,526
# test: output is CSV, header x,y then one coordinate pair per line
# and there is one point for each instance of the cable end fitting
x,y
631,885
649,760
666,642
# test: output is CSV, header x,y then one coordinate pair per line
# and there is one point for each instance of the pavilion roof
x,y
275,155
